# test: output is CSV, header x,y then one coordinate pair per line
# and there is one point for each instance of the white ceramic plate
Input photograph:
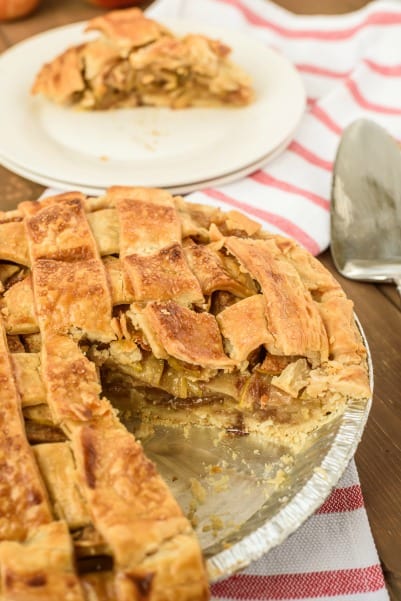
x,y
179,189
144,146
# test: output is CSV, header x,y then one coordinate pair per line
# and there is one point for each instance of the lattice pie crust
x,y
136,61
208,320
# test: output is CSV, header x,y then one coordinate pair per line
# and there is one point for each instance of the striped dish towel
x,y
351,68
332,556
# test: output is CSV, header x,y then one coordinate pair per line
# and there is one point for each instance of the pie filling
x,y
180,314
137,61
248,397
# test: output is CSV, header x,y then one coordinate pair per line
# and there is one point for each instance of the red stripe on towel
x,y
310,156
285,225
343,499
367,104
373,19
267,180
301,586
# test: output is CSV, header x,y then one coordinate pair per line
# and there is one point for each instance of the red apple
x,y
12,9
113,3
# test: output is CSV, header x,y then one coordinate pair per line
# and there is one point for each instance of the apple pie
x,y
200,317
136,61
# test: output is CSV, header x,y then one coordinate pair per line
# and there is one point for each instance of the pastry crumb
x,y
222,484
198,491
279,478
215,525
215,469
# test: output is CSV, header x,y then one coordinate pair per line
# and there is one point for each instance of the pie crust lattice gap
x,y
209,319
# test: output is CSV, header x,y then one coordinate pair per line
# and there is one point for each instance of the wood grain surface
x,y
378,307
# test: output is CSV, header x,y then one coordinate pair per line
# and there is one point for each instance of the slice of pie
x,y
136,61
202,318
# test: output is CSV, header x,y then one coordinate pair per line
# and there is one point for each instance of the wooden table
x,y
378,307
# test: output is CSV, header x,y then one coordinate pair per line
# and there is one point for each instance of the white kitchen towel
x,y
351,67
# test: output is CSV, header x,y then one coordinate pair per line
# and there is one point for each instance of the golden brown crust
x,y
62,78
134,511
17,308
337,313
128,27
57,467
41,568
23,501
186,335
106,231
68,274
118,282
171,574
13,246
28,377
162,275
68,300
314,275
210,271
242,341
148,220
8,216
196,219
72,383
97,58
150,243
30,208
73,298
292,316
59,230
238,222
131,506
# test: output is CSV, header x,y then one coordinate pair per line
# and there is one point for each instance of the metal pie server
x,y
366,205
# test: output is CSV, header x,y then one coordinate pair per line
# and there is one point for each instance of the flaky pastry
x,y
202,318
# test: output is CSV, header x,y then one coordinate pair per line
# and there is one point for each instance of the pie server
x,y
366,205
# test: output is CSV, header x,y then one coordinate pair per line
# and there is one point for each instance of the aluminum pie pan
x,y
244,497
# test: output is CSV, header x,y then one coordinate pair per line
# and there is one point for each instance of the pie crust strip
x,y
150,246
154,548
41,567
293,318
24,503
130,505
